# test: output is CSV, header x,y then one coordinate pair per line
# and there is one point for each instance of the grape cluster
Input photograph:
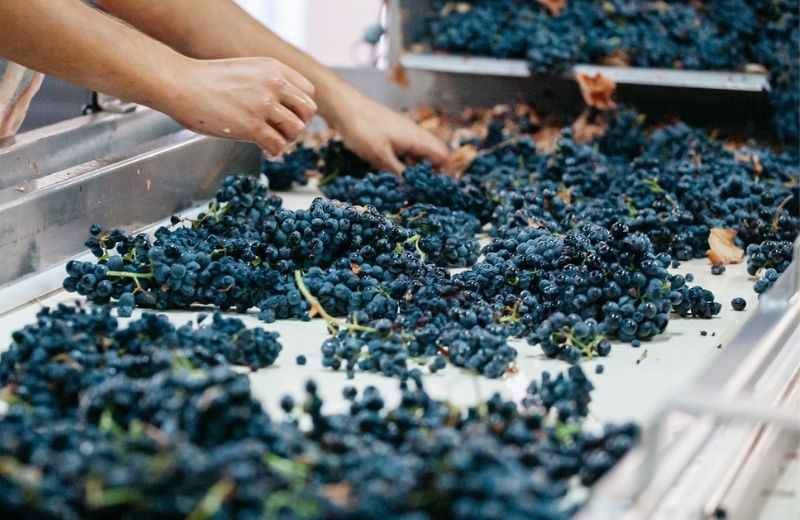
x,y
51,363
304,161
385,192
713,35
291,169
240,254
768,260
188,439
767,280
769,254
447,236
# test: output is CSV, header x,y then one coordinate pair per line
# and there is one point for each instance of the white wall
x,y
327,29
288,18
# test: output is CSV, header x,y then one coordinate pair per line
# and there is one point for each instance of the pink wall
x,y
334,26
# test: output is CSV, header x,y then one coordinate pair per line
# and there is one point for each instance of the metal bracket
x,y
105,103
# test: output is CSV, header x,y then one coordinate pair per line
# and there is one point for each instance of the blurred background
x,y
326,29
329,30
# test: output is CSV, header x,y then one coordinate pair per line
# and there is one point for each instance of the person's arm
x,y
255,99
213,29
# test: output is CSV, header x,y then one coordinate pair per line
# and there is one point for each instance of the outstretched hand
x,y
380,136
250,99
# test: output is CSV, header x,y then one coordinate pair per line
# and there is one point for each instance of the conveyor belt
x,y
633,387
147,184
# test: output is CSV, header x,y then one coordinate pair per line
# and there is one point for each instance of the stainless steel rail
x,y
127,182
37,153
689,79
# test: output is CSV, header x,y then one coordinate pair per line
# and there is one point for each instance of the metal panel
x,y
695,79
49,221
53,148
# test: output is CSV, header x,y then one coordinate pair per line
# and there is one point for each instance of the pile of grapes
x,y
583,232
149,421
688,34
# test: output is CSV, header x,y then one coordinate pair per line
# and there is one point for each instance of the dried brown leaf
x,y
458,7
546,139
525,111
339,493
565,195
597,91
555,7
422,112
722,250
587,128
756,68
399,75
461,159
616,58
534,224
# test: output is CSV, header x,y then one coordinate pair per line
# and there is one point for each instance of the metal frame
x,y
125,170
35,154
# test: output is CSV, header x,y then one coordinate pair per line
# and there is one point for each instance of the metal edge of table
x,y
49,221
655,77
40,152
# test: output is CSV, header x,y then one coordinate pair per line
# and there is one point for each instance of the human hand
x,y
379,135
260,100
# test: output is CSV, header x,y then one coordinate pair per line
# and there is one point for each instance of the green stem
x,y
212,502
333,323
126,274
415,240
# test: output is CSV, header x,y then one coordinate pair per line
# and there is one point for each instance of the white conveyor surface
x,y
633,386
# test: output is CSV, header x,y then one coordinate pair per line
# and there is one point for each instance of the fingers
x,y
285,121
386,159
424,145
270,140
297,101
298,80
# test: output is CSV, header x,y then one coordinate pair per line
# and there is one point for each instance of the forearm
x,y
212,29
69,40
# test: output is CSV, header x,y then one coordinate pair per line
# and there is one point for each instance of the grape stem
x,y
334,324
125,274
